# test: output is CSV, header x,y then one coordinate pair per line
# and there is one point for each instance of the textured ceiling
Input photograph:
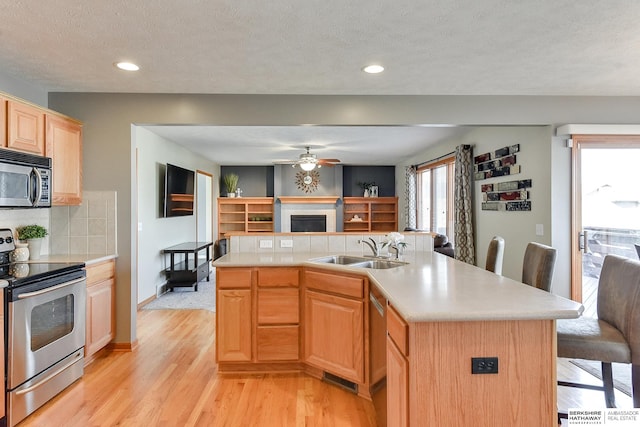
x,y
459,47
456,47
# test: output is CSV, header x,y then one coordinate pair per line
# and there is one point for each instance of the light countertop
x,y
88,259
434,287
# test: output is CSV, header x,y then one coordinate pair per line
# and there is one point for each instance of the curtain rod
x,y
466,146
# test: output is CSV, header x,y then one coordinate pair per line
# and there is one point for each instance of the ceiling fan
x,y
308,161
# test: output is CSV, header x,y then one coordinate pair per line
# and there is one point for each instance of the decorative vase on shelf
x,y
366,192
231,194
35,246
20,253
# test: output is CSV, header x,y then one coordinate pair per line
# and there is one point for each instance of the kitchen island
x,y
442,316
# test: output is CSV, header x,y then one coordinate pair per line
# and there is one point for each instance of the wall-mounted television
x,y
178,193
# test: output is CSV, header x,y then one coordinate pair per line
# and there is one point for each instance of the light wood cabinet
x,y
100,310
365,214
334,324
64,146
278,314
397,370
25,127
245,214
265,331
3,122
233,314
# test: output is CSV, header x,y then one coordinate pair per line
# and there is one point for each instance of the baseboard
x,y
147,301
123,346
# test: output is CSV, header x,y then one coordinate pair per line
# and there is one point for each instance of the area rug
x,y
187,298
621,373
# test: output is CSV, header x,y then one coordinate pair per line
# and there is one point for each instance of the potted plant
x,y
231,184
33,235
366,186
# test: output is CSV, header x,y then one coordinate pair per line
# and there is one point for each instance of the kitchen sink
x,y
340,259
379,264
363,262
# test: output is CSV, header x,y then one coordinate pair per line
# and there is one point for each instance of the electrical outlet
x,y
286,243
266,244
484,365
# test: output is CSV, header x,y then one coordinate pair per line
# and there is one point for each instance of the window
x,y
435,196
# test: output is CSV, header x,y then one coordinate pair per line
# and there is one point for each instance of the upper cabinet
x,y
36,130
64,146
25,127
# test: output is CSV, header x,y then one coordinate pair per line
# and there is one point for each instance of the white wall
x,y
517,228
154,231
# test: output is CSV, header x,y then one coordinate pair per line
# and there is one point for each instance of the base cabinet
x,y
334,324
233,307
100,328
397,387
258,314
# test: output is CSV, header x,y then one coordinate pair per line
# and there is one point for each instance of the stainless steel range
x,y
45,329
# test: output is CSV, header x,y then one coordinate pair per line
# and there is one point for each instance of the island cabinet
x,y
258,315
100,310
233,314
430,379
334,322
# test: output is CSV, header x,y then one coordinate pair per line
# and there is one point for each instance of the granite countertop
x,y
434,287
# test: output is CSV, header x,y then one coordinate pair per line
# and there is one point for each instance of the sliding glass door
x,y
606,208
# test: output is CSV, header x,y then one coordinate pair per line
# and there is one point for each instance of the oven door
x,y
45,326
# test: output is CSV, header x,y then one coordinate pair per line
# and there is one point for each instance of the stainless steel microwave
x,y
25,180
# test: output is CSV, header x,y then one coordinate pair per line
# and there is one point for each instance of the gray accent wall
x,y
109,155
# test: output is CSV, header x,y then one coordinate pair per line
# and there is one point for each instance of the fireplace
x,y
308,206
302,223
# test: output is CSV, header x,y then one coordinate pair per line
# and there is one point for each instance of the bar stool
x,y
537,266
615,335
495,254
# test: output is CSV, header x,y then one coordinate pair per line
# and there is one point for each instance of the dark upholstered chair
x,y
442,245
537,267
637,250
495,254
615,335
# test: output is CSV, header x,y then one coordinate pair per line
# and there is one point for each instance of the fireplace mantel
x,y
309,199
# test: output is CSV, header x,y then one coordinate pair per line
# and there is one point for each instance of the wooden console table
x,y
190,271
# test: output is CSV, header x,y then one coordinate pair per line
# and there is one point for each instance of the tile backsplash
x,y
86,229
15,218
321,242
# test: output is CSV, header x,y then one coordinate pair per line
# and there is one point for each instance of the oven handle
x,y
51,289
50,377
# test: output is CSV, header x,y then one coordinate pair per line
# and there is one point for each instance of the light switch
x,y
539,230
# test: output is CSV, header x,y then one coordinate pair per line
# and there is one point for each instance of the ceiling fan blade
x,y
329,160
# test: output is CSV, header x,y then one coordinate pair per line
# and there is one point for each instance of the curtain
x,y
411,196
463,205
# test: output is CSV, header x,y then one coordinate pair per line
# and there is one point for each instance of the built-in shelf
x,y
245,214
365,214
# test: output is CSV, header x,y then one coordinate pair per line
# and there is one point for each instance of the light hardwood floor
x,y
171,380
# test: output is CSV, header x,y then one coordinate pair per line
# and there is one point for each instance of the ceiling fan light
x,y
307,166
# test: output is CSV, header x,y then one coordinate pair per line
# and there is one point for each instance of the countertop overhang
x,y
434,287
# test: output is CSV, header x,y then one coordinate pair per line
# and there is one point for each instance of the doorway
x,y
204,206
606,208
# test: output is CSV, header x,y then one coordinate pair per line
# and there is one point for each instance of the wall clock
x,y
308,181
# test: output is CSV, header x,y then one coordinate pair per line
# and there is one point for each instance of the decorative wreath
x,y
308,181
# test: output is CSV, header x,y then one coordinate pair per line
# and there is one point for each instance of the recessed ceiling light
x,y
127,66
373,69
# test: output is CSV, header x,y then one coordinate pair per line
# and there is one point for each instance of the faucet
x,y
374,247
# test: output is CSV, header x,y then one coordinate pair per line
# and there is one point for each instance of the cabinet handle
x,y
376,304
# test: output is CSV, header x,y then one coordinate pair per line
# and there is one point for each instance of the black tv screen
x,y
178,197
